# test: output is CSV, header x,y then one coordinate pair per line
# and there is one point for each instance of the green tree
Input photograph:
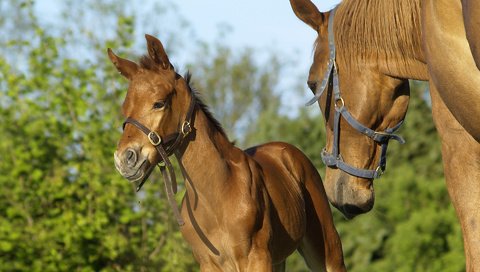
x,y
63,207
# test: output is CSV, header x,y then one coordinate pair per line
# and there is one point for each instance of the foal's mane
x,y
149,64
380,29
196,95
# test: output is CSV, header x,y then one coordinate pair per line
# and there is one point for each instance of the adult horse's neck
x,y
384,33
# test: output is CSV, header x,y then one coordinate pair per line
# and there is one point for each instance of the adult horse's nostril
x,y
130,157
312,85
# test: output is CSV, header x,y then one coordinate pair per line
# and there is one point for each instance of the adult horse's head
x,y
361,95
158,107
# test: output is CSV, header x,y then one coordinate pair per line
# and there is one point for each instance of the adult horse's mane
x,y
149,64
378,29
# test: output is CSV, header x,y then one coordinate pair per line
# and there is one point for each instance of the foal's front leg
x,y
210,267
259,260
259,256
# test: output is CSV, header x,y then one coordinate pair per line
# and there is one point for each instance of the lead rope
x,y
190,209
170,182
168,176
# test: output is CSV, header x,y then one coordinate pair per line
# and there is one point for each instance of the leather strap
x,y
165,150
334,159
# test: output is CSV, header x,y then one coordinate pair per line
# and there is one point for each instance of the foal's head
x,y
158,98
373,97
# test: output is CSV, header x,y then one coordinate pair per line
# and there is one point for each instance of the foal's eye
x,y
159,104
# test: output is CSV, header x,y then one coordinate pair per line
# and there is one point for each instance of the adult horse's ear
x,y
308,13
156,52
126,67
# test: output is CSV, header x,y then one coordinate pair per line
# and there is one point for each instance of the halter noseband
x,y
334,159
165,149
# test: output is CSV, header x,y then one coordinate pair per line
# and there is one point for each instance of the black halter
x,y
165,149
334,159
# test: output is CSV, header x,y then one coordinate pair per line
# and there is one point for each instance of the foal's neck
x,y
207,154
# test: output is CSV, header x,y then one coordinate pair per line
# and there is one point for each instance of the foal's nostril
x,y
130,157
312,85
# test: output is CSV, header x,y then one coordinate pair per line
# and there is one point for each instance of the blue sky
x,y
264,25
268,25
259,24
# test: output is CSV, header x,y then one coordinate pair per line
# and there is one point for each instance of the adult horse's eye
x,y
312,85
159,104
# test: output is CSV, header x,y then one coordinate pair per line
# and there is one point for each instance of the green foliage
x,y
63,206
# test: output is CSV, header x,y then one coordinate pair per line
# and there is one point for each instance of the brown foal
x,y
242,210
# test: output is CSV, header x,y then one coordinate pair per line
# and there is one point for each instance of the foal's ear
x,y
156,52
308,13
126,67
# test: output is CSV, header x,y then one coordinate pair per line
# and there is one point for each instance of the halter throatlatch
x,y
334,159
165,149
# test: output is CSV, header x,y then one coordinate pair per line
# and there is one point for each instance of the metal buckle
x,y
151,134
379,172
380,137
186,128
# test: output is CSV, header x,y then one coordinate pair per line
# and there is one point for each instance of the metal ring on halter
x,y
154,142
342,104
186,128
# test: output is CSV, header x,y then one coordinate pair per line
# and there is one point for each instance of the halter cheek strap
x,y
334,159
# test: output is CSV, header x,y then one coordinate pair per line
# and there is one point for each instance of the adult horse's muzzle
x,y
132,165
349,194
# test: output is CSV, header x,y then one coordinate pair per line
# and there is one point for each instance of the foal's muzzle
x,y
132,165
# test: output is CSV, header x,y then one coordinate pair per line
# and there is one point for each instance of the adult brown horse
x,y
243,210
367,50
